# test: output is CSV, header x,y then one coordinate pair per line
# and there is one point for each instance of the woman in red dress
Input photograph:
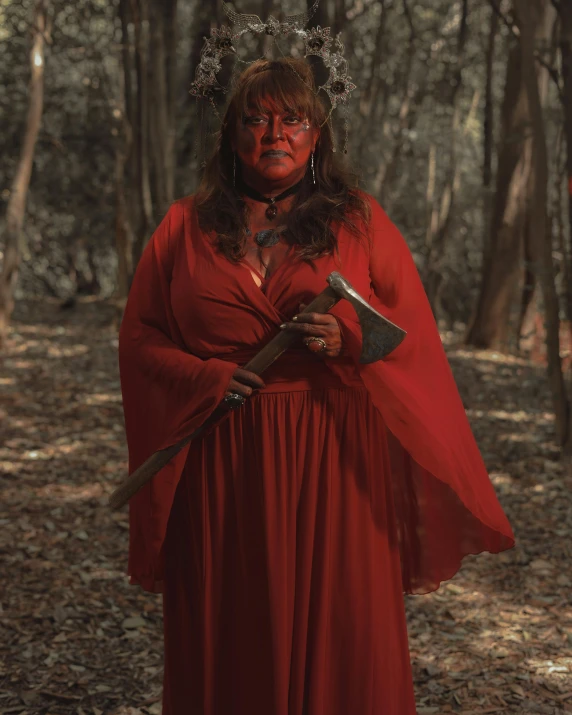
x,y
283,540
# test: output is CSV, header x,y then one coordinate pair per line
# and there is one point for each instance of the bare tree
x,y
146,163
442,214
144,220
125,165
19,190
565,11
542,241
502,263
410,99
162,107
123,230
488,129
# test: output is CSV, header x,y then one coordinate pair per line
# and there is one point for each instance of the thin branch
x,y
409,18
553,72
511,26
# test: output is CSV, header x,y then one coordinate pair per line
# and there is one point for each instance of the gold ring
x,y
322,343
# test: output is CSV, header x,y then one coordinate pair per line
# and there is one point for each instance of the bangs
x,y
280,90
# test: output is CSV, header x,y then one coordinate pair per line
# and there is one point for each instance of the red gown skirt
x,y
277,538
282,581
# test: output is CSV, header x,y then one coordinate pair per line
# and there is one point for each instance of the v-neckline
x,y
252,269
265,280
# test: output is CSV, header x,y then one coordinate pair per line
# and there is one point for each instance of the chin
x,y
276,173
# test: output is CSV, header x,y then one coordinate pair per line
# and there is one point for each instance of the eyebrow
x,y
258,110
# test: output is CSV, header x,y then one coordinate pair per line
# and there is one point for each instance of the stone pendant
x,y
268,237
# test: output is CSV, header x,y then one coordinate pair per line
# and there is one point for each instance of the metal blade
x,y
380,335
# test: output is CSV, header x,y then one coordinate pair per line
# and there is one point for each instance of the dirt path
x,y
75,638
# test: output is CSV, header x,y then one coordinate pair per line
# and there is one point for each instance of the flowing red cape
x,y
192,317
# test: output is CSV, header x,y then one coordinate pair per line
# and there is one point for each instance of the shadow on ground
x,y
75,638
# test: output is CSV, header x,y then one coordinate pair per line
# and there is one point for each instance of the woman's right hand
x,y
243,382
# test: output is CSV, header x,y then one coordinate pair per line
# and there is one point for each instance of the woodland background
x,y
461,126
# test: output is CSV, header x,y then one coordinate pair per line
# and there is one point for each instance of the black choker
x,y
272,209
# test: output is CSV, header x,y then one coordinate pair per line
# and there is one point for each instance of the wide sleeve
x,y
167,393
445,503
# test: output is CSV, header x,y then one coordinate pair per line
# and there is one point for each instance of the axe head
x,y
380,335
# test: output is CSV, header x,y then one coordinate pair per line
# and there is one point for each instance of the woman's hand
x,y
243,382
317,325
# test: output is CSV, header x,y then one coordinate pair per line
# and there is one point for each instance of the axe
x,y
380,337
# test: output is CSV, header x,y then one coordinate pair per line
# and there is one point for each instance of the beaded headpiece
x,y
317,42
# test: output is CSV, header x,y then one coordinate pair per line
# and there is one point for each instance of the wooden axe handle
x,y
144,473
259,363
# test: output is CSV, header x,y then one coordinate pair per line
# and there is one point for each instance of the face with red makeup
x,y
273,147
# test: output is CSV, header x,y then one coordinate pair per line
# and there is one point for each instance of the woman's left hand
x,y
317,325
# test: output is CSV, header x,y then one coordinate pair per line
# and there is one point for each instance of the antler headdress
x,y
317,42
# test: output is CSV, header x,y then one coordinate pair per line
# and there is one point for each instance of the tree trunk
x,y
143,223
370,92
541,244
161,109
489,132
191,152
412,94
529,302
430,195
123,228
158,110
19,190
565,9
322,15
436,258
339,16
371,95
387,171
563,237
173,89
126,205
502,263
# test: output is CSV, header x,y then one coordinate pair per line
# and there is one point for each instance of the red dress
x,y
283,540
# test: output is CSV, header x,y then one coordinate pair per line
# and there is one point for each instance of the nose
x,y
274,131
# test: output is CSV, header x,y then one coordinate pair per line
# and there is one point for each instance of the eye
x,y
292,119
254,120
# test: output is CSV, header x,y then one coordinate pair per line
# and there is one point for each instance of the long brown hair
x,y
317,208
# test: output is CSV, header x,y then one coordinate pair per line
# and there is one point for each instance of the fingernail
x,y
283,326
295,317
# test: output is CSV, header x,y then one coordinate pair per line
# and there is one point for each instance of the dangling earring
x,y
234,169
313,172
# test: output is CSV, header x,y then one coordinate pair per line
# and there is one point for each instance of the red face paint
x,y
273,147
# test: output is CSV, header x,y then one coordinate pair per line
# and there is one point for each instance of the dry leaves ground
x,y
75,638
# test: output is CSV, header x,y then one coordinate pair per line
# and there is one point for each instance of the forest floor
x,y
76,638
